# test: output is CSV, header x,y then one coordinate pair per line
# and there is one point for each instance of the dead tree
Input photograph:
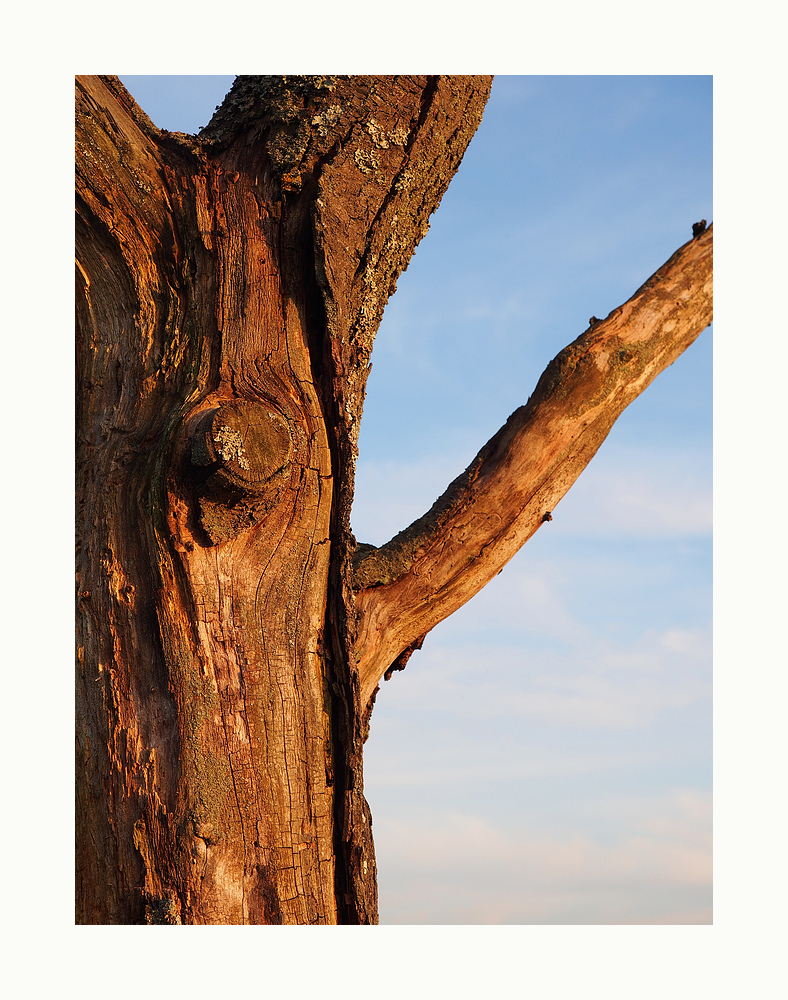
x,y
231,634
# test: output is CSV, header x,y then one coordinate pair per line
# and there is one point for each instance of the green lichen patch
x,y
162,910
289,113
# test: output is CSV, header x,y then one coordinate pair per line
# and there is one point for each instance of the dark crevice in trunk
x,y
426,101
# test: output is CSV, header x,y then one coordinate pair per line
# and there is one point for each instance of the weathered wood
x,y
486,515
228,291
229,287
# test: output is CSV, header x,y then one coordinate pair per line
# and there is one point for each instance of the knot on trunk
x,y
243,450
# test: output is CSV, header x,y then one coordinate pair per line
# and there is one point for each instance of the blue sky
x,y
546,757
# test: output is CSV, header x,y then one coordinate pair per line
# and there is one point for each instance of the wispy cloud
x,y
392,494
538,723
647,493
607,685
657,871
493,312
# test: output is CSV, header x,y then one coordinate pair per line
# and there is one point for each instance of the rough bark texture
x,y
510,489
228,290
229,287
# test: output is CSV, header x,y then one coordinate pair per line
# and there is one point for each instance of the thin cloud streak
x,y
657,493
612,686
522,874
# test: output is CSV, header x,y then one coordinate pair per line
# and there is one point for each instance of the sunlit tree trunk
x,y
228,292
231,636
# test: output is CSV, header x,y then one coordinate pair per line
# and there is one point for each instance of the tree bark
x,y
228,290
487,514
229,287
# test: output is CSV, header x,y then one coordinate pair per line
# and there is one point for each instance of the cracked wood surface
x,y
429,570
227,655
220,730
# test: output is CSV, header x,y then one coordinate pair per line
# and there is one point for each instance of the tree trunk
x,y
229,288
231,635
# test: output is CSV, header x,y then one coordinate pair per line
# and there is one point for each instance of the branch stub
x,y
248,441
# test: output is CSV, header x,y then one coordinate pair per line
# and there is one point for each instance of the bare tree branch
x,y
433,567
